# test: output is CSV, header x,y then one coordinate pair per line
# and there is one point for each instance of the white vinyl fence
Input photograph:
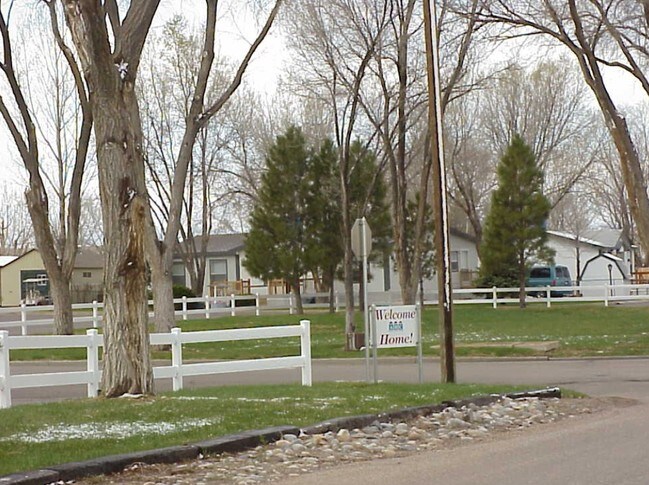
x,y
551,294
25,317
91,377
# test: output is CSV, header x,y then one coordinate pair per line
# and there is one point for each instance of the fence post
x,y
233,305
290,304
5,371
494,296
184,308
177,358
257,310
305,350
23,318
92,360
548,296
336,302
95,314
207,307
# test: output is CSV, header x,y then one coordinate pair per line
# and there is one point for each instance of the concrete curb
x,y
238,442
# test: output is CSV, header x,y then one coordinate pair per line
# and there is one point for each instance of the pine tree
x,y
281,243
367,199
515,234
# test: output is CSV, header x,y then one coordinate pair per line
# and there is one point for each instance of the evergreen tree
x,y
281,243
367,199
515,234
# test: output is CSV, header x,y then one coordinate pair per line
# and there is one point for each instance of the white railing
x,y
208,307
92,341
551,294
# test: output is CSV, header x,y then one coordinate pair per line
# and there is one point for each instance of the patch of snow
x,y
112,430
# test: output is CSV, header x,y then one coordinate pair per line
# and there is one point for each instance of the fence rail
x,y
208,307
92,341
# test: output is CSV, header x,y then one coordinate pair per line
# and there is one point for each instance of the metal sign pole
x,y
365,313
374,346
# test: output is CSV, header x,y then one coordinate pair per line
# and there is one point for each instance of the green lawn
x,y
37,435
580,329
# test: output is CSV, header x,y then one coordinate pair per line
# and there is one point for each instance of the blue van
x,y
549,275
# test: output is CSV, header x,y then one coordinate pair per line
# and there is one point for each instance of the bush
x,y
180,291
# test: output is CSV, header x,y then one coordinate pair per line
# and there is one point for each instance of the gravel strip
x,y
294,455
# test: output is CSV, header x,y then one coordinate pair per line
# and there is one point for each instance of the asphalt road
x,y
605,448
626,377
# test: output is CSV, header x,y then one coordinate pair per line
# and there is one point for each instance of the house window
x,y
459,260
178,274
87,274
218,271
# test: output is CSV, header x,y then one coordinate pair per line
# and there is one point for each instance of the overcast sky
x,y
235,32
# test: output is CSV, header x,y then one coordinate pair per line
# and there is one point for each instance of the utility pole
x,y
440,201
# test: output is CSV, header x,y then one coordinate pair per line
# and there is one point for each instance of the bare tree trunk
x,y
59,282
297,293
332,293
125,211
163,297
58,259
62,298
127,365
348,263
521,282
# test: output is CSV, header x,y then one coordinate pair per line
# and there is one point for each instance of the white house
x,y
227,274
224,269
590,261
464,266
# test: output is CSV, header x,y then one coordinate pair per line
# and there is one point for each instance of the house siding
x,y
10,276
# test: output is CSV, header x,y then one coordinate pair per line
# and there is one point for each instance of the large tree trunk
x,y
62,298
127,365
125,211
348,268
163,297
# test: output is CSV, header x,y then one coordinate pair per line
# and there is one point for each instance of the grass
x,y
581,329
91,428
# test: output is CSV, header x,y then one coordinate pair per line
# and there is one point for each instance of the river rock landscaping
x,y
294,455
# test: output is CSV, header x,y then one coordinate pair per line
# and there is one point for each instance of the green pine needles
x,y
515,234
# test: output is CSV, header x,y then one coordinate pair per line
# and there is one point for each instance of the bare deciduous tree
x,y
16,234
334,44
56,237
200,111
599,34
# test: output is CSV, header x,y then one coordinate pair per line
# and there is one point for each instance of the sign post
x,y
397,326
361,247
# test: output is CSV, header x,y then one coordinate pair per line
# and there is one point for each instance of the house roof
x,y
18,258
462,234
611,238
5,260
226,243
89,257
583,240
